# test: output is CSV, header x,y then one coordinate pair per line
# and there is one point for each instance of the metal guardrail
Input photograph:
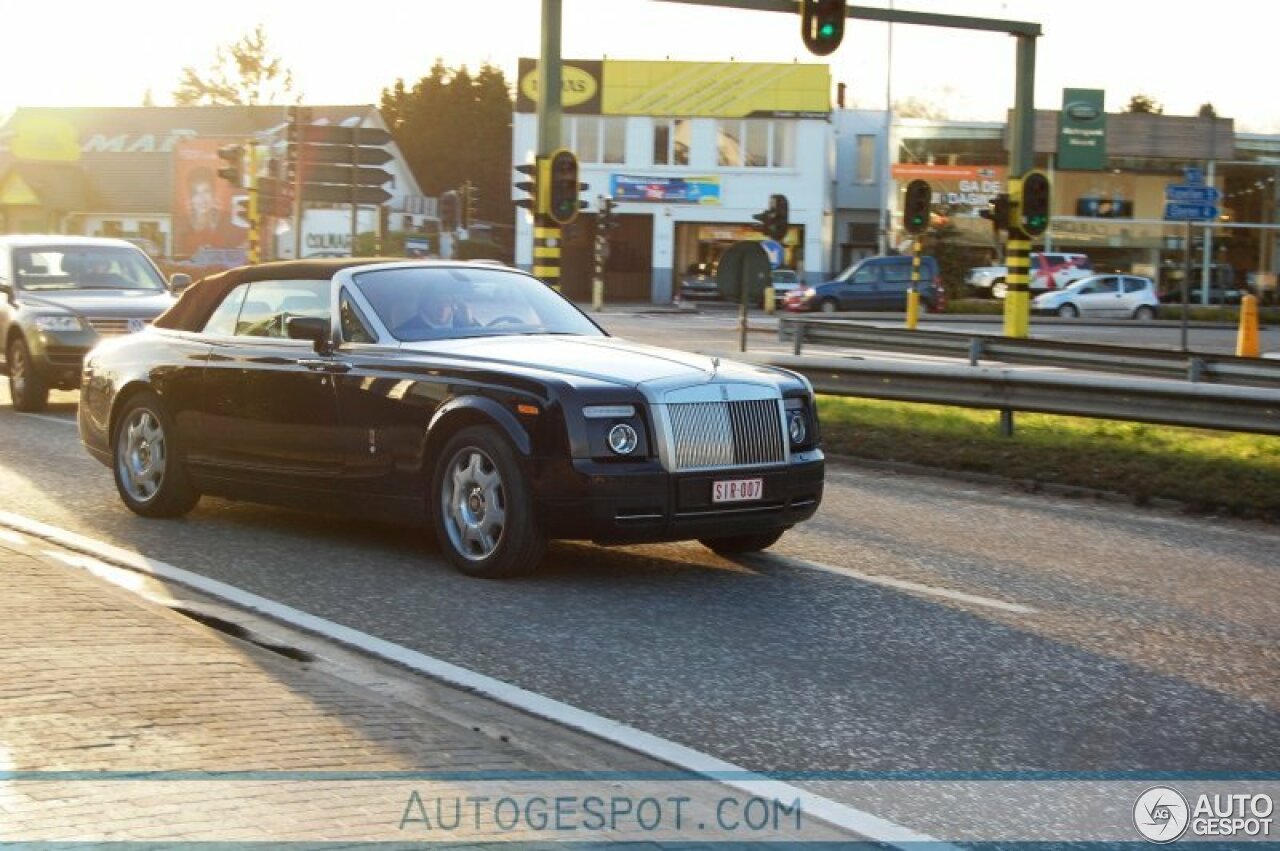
x,y
1129,360
1178,403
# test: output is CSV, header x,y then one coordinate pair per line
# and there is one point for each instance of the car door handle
x,y
322,365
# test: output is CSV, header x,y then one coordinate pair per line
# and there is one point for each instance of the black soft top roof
x,y
198,301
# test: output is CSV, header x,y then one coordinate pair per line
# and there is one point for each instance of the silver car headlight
x,y
623,439
61,322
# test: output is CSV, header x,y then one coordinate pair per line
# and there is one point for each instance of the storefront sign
x,y
1082,130
665,190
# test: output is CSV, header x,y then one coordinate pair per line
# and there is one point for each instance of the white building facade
x,y
690,153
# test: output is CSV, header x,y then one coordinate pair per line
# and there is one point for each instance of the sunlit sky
x,y
93,53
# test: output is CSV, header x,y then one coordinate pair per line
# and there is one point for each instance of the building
x,y
149,174
690,151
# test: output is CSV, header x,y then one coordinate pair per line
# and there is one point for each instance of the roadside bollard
x,y
768,300
1247,337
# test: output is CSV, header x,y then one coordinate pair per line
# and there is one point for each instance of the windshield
x,y
440,303
76,267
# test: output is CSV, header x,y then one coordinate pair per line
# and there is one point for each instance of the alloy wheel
x,y
141,455
474,504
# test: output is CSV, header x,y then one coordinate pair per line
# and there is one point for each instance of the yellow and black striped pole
x,y
255,221
913,294
546,251
1017,298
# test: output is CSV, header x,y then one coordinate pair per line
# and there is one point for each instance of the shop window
x,y
755,144
865,170
671,141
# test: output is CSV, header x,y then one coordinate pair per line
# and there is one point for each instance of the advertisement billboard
x,y
203,203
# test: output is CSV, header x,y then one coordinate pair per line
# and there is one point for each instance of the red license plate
x,y
737,490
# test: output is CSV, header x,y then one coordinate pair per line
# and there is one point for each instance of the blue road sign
x,y
774,249
1178,212
1193,175
1194,194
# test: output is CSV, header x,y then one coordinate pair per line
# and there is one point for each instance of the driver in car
x,y
436,309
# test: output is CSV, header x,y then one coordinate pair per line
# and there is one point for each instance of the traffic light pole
x,y
255,220
546,232
1017,300
913,294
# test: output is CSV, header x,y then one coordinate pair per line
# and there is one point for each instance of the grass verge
x,y
1208,471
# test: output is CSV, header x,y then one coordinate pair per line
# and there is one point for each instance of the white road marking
x,y
906,585
832,812
49,419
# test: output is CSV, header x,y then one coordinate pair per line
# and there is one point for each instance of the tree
x,y
1207,110
1145,103
453,127
914,107
242,74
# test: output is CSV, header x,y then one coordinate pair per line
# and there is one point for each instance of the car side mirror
x,y
178,282
311,328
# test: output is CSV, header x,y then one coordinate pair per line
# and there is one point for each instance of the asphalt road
x,y
916,623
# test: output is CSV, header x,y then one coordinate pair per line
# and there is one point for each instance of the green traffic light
x,y
826,31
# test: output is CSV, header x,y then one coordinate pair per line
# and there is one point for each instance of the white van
x,y
1050,270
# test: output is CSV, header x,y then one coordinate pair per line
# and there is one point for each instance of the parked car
x,y
337,384
873,283
59,295
785,282
1102,296
698,283
1049,270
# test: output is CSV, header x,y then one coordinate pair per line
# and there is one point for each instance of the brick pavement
x,y
123,720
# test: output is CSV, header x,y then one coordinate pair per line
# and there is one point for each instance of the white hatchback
x,y
1102,296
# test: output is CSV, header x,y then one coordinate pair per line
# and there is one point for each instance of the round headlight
x,y
796,427
623,439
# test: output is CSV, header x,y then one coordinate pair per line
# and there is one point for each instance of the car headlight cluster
x,y
58,322
621,430
801,422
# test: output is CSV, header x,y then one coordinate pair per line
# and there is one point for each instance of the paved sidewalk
x,y
119,718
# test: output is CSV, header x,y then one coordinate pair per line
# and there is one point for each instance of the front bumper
x,y
57,357
646,504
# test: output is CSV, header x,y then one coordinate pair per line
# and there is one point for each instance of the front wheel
x,y
482,509
1068,311
27,388
829,305
1145,312
753,542
150,474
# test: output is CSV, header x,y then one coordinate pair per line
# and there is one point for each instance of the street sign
x,y
333,193
1193,193
1193,175
357,175
774,249
333,134
341,154
1179,212
743,268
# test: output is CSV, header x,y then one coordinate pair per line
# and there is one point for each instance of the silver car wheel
x,y
142,454
17,371
473,500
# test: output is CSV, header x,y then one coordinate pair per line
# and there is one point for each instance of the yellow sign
x,y
47,138
715,89
15,192
577,86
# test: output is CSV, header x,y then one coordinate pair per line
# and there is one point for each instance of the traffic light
x,y
536,202
562,194
916,207
233,171
774,221
997,211
608,219
240,210
470,198
449,210
1033,209
822,25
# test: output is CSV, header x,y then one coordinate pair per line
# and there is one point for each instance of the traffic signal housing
x,y
997,212
563,187
607,219
822,25
916,206
536,202
775,220
470,199
449,210
1033,207
233,171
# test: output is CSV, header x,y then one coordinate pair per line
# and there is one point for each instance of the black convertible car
x,y
466,395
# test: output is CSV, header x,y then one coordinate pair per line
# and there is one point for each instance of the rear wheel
x,y
27,388
749,543
1068,311
482,509
1145,312
150,473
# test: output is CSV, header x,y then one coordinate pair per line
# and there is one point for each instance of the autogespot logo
x,y
1161,814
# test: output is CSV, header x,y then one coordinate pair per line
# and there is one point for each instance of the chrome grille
x,y
727,434
112,325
